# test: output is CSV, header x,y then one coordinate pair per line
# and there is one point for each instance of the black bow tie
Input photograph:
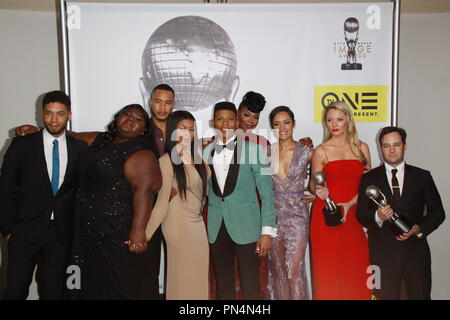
x,y
230,146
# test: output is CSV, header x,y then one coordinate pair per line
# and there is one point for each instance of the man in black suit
x,y
37,192
400,256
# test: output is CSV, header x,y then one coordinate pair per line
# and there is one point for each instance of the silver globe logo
x,y
196,57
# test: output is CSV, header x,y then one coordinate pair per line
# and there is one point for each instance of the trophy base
x,y
332,217
351,66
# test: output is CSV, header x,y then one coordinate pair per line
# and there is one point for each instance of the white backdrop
x,y
282,50
290,53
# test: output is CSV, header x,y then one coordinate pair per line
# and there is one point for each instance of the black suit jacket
x,y
419,191
26,197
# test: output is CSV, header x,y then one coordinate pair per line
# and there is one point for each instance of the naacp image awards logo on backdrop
x,y
352,50
196,57
369,103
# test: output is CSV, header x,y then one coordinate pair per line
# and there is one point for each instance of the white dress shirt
x,y
400,177
221,163
48,151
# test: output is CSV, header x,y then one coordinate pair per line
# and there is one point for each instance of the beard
x,y
394,162
55,132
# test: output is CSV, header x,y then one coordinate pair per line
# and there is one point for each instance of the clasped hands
x,y
386,213
137,242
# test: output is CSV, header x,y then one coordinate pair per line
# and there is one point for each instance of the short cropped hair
x,y
57,96
387,130
163,86
224,105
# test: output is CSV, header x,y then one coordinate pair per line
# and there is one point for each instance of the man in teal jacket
x,y
235,222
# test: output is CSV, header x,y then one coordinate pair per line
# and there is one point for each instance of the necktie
x,y
55,167
395,185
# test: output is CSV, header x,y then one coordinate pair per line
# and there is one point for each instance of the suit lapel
x,y
70,161
233,171
386,190
41,161
406,182
214,183
384,183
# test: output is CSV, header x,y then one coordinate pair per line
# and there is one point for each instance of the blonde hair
x,y
352,134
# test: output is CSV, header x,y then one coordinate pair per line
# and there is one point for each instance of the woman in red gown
x,y
340,254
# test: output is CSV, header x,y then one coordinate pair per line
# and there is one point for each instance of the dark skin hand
x,y
263,245
307,142
25,129
143,173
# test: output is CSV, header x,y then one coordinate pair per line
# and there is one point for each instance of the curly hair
x,y
254,102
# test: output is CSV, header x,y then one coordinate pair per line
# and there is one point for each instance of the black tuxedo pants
x,y
22,260
417,282
223,252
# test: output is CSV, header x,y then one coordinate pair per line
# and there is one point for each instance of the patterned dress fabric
x,y
287,271
104,213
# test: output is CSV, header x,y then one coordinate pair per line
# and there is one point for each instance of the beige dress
x,y
185,233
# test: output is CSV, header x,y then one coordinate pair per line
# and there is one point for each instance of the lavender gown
x,y
287,273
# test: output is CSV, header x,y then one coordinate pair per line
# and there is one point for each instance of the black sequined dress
x,y
104,215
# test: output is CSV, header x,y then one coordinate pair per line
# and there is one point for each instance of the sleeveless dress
x,y
104,213
287,270
340,255
185,234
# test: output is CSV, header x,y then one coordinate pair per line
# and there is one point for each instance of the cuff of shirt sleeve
x,y
420,234
269,231
378,220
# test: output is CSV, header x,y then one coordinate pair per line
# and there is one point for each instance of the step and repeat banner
x,y
299,55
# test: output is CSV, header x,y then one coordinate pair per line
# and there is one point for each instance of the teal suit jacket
x,y
238,205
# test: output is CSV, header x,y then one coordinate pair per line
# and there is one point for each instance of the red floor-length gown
x,y
340,255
